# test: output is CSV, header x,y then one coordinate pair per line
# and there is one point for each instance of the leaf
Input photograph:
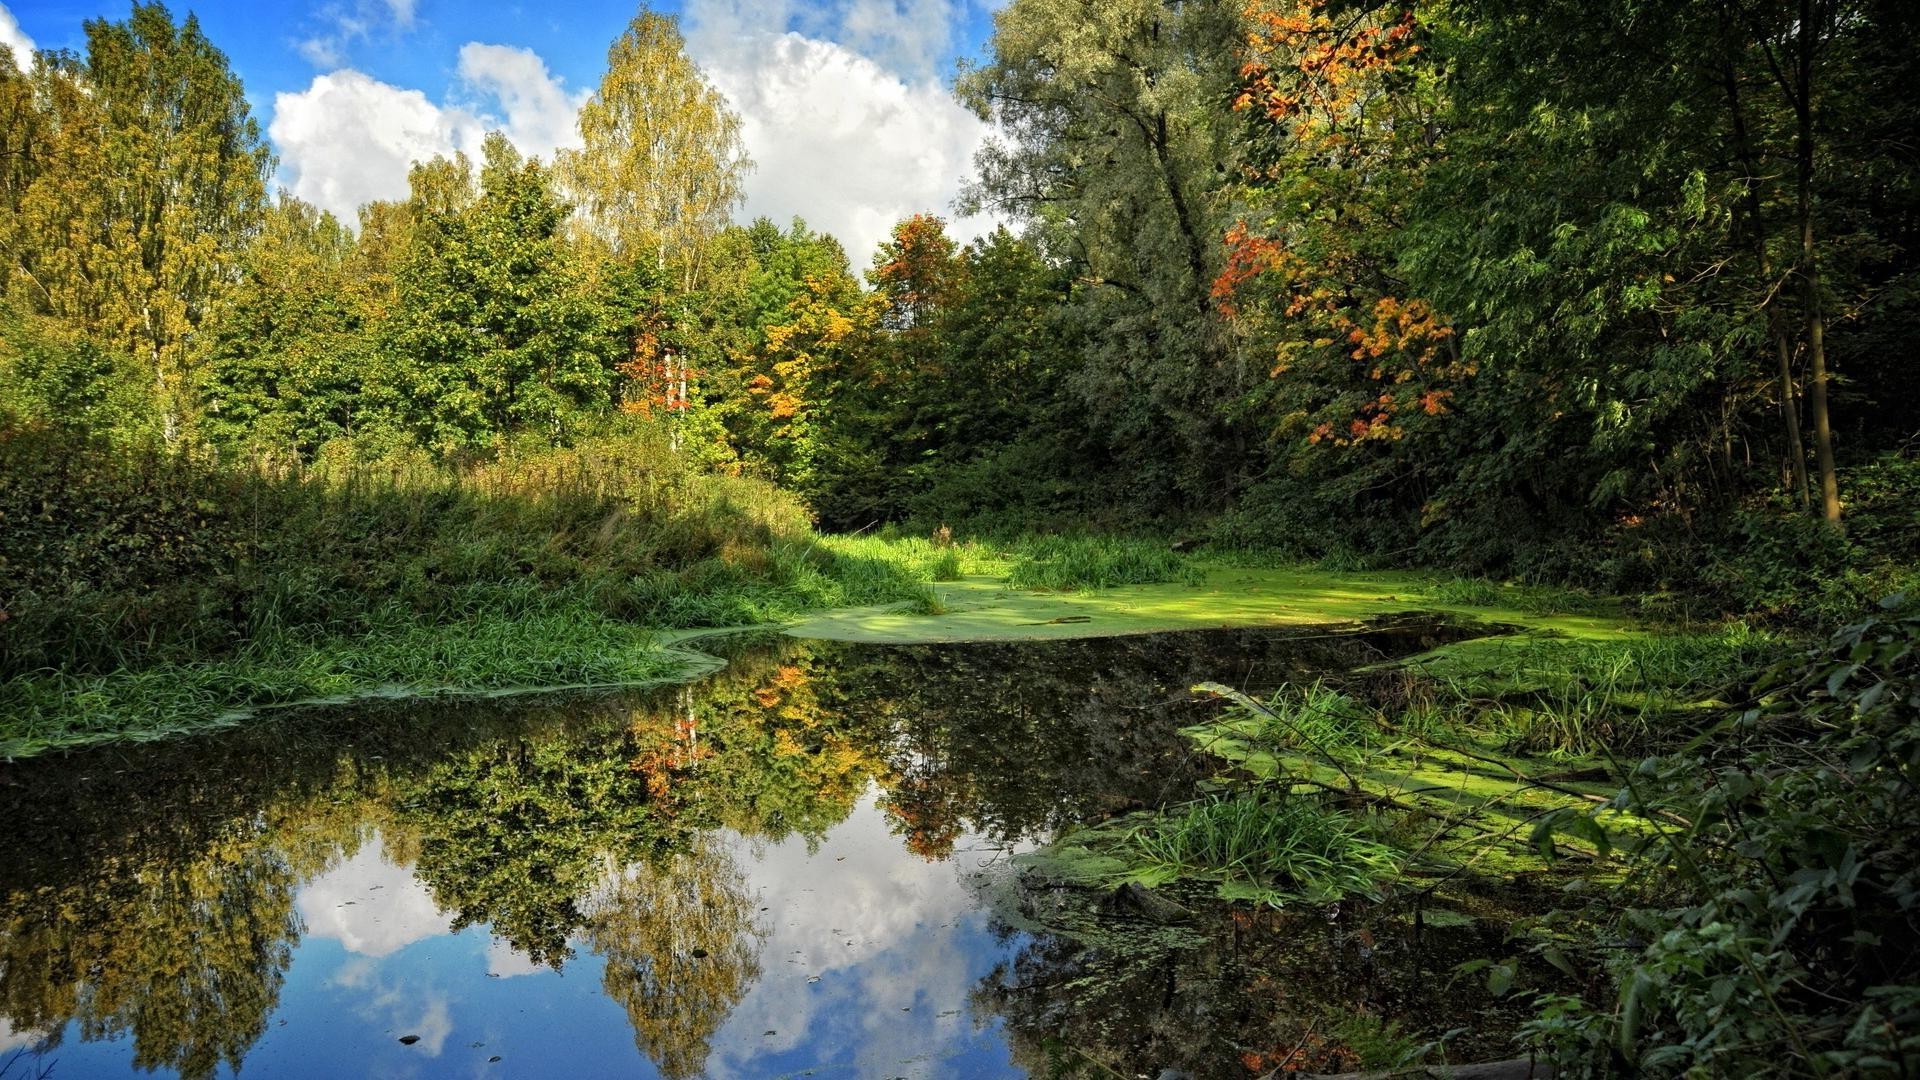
x,y
1500,979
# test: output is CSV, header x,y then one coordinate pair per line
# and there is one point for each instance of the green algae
x,y
983,608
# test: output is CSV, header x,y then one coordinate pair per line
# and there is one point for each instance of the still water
x,y
802,865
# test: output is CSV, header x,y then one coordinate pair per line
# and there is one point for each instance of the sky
x,y
845,104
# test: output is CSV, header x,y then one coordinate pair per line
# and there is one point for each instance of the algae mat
x,y
986,609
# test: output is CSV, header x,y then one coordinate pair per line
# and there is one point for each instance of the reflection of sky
x,y
865,971
870,955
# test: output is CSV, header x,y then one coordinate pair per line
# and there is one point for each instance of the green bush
x,y
1776,923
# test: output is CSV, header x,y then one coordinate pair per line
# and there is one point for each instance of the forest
x,y
1606,302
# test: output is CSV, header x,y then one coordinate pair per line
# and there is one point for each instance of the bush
x,y
1777,931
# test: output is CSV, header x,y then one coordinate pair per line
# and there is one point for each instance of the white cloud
x,y
540,114
349,138
370,906
837,138
16,39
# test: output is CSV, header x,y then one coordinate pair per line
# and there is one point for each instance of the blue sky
x,y
844,102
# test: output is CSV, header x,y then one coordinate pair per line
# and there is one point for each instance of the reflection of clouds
x,y
880,930
504,961
14,1040
404,1010
370,906
357,972
375,908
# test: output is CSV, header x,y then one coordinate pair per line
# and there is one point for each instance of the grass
x,y
56,710
1270,846
1073,563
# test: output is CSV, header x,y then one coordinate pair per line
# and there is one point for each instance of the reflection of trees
x,y
1015,740
186,958
512,833
681,949
516,832
1229,991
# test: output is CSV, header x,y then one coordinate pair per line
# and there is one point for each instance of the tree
x,y
490,334
661,166
289,354
1116,151
143,187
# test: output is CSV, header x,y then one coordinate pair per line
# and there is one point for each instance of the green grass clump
x,y
1531,599
1068,563
1271,846
1317,718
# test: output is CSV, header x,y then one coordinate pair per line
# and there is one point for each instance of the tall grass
x,y
1068,563
1286,844
151,590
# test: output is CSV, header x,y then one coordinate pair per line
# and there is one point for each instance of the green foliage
x,y
491,333
1776,887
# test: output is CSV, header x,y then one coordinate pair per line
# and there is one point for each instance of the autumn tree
x,y
662,162
137,191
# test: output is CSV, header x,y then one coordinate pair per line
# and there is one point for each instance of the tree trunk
x,y
1810,274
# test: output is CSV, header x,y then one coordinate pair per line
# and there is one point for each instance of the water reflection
x,y
792,865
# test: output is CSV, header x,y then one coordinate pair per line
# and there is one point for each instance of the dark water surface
x,y
797,866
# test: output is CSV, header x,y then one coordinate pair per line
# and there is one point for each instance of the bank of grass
x,y
154,590
57,710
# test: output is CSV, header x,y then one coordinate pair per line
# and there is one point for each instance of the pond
x,y
802,865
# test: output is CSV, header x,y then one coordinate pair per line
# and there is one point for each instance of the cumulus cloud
x,y
349,138
837,136
539,113
370,906
16,39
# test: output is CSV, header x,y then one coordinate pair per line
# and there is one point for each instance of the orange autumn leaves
x,y
1302,63
1324,83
